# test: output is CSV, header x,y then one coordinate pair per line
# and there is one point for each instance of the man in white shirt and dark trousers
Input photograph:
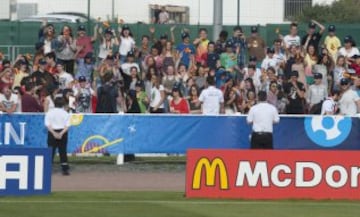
x,y
57,121
262,116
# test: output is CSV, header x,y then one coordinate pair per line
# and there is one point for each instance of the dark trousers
x,y
159,110
261,140
61,145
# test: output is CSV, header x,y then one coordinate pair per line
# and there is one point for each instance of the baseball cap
x,y
348,39
42,62
228,44
356,56
344,81
254,29
130,54
139,84
318,76
185,35
82,79
89,55
126,27
331,28
270,50
164,36
81,28
252,59
108,31
312,25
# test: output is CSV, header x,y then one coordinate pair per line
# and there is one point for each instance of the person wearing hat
x,y
108,41
332,42
256,44
295,92
130,63
270,60
126,43
57,122
178,105
349,102
84,43
317,92
313,37
201,44
141,96
65,79
86,68
239,45
228,59
186,50
83,94
42,77
349,49
330,104
355,65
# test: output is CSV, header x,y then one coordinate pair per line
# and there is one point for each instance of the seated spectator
x,y
29,100
141,97
86,68
193,99
83,94
349,102
178,105
295,92
6,78
107,95
9,101
157,95
317,92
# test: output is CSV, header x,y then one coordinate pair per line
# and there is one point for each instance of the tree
x,y
340,11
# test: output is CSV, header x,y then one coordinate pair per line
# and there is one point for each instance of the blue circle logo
x,y
328,131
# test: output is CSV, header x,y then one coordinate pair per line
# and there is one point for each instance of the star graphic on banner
x,y
132,128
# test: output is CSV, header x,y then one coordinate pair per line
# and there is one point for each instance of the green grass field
x,y
165,204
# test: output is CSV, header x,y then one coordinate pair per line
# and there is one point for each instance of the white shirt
x,y
65,79
57,119
125,45
291,40
211,98
328,106
156,96
104,49
127,66
262,116
317,93
352,52
269,62
8,103
348,102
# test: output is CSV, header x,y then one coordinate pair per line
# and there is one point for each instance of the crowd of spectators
x,y
161,75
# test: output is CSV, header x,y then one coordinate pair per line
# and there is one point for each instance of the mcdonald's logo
x,y
210,173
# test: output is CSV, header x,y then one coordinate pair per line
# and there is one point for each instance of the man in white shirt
x,y
269,61
57,122
9,102
212,99
350,101
329,106
317,91
262,116
292,38
65,79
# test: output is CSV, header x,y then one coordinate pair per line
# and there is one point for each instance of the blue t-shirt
x,y
187,50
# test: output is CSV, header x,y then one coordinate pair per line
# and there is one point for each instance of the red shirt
x,y
29,104
356,67
85,42
182,107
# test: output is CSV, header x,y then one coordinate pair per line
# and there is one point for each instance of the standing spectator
x,y
141,97
317,92
295,91
332,42
228,59
51,63
168,56
350,100
65,79
256,44
221,42
311,59
313,36
83,94
21,73
292,38
57,121
163,16
193,99
299,66
84,43
9,101
107,94
349,49
157,95
41,77
239,46
212,58
28,101
262,117
107,43
86,68
157,11
130,63
186,51
212,99
127,43
178,104
339,70
269,61
201,44
48,37
66,49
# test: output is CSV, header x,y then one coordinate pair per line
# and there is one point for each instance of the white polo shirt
x,y
348,101
211,98
262,116
328,106
57,119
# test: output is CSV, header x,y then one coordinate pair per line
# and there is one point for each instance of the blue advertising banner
x,y
175,134
25,171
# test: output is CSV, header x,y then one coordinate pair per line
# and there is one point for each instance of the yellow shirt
x,y
18,77
332,44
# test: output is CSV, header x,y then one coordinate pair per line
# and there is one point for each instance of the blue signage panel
x,y
25,171
175,134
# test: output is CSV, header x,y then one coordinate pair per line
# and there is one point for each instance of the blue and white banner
x,y
175,134
25,171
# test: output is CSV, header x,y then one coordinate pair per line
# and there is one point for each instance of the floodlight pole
x,y
218,18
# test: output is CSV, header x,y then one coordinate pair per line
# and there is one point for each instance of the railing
x,y
12,51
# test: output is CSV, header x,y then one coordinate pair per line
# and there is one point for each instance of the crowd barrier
x,y
115,133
